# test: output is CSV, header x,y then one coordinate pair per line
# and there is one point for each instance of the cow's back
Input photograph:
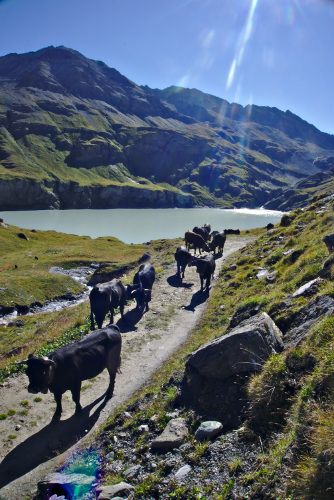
x,y
86,358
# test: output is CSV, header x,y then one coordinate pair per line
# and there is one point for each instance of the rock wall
x,y
26,194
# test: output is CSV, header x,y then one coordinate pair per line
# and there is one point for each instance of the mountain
x,y
319,185
75,133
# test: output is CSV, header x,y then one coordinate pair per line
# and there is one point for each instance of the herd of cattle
x,y
67,367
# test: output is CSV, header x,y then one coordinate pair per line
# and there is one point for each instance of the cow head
x,y
40,372
140,294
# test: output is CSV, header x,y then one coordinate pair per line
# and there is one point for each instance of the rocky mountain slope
x,y
302,193
76,133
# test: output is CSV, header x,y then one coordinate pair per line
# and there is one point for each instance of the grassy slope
x,y
297,458
31,281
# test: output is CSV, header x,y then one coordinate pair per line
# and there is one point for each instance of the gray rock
x,y
208,430
309,288
132,472
182,472
63,483
232,267
301,322
215,375
109,492
172,436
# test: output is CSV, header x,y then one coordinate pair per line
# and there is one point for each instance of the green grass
x,y
31,281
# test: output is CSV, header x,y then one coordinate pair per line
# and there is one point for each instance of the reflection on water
x,y
139,225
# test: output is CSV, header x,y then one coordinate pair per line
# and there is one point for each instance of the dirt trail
x,y
31,445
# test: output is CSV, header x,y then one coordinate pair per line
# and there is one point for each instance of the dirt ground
x,y
31,445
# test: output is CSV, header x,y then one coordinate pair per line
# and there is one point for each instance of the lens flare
x,y
241,47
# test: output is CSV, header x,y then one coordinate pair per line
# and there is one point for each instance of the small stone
x,y
67,482
132,472
232,267
153,466
154,418
222,307
115,439
109,492
173,414
17,427
110,456
208,430
143,428
127,414
308,289
182,472
172,436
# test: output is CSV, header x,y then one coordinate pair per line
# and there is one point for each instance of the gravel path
x,y
31,445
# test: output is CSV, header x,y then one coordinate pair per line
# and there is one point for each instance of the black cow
x,y
232,231
183,257
104,298
218,240
195,241
64,369
141,289
205,267
203,231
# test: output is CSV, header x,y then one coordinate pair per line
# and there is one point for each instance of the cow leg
x,y
208,281
182,272
201,283
110,390
111,316
92,323
76,397
59,408
121,308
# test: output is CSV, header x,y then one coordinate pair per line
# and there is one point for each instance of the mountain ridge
x,y
70,121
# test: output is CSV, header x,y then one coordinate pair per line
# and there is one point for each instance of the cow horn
x,y
48,361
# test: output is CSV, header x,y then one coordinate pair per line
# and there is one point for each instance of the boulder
x,y
329,242
65,484
172,436
108,492
216,374
301,322
208,430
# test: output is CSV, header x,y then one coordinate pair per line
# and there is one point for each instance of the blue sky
x,y
268,52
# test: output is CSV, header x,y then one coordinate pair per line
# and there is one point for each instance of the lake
x,y
139,225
